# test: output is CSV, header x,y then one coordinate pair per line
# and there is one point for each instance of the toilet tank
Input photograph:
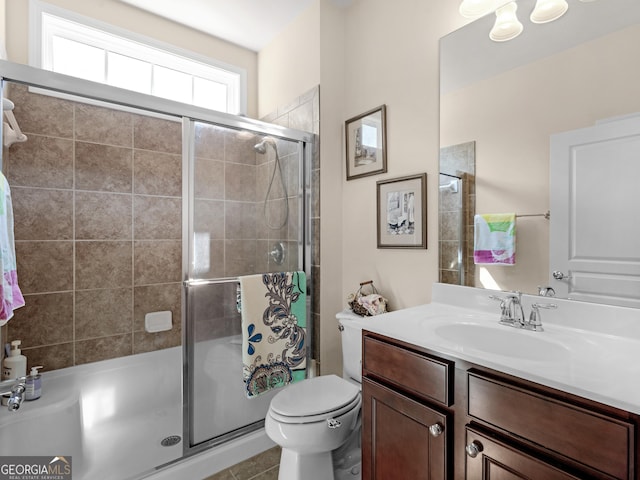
x,y
351,335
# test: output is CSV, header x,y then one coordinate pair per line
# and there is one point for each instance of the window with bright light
x,y
67,43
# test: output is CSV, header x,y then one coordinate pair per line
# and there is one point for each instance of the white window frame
x,y
47,20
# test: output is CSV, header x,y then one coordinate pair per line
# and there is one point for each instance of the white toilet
x,y
317,421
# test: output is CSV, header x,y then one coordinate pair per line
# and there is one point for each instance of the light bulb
x,y
476,8
507,25
548,10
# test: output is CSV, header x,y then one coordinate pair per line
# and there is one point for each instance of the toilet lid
x,y
314,396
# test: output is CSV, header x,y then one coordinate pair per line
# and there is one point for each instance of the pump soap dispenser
x,y
15,365
33,384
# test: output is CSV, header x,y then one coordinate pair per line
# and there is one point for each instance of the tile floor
x,y
263,466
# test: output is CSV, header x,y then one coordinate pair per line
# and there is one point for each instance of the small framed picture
x,y
366,142
402,212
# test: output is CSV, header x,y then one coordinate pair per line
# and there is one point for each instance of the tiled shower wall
x,y
458,160
97,207
303,113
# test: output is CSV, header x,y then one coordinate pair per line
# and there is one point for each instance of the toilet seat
x,y
315,400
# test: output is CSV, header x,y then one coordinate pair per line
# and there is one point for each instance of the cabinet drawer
x,y
413,372
598,441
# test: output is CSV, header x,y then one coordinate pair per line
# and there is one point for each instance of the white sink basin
x,y
502,340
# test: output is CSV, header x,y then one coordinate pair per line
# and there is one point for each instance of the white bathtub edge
x,y
214,460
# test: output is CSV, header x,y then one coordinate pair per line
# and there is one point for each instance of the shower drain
x,y
171,440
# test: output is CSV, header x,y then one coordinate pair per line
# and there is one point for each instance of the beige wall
x,y
392,58
371,53
567,91
135,20
290,64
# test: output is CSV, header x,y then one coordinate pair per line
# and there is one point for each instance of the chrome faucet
x,y
512,312
15,389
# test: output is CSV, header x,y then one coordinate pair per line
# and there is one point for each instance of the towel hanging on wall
x,y
495,239
274,347
10,295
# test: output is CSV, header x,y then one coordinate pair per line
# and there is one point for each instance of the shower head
x,y
261,147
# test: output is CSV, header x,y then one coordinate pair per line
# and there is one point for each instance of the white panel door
x,y
595,213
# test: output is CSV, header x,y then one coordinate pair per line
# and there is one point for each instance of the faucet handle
x,y
535,320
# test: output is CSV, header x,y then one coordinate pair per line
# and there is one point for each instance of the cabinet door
x,y
401,438
492,459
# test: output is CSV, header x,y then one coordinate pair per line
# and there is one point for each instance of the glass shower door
x,y
244,218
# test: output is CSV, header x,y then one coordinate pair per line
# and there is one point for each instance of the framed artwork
x,y
366,142
402,212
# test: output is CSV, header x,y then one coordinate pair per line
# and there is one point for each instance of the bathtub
x,y
111,416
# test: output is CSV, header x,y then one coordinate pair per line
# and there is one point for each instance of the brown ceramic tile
x,y
240,220
149,342
103,216
100,313
209,141
210,264
157,173
51,357
209,218
103,265
209,179
258,464
103,168
157,262
449,255
42,114
156,134
45,319
239,147
240,182
41,162
240,257
104,125
272,222
223,475
293,222
271,474
157,218
301,117
45,266
42,214
104,348
157,298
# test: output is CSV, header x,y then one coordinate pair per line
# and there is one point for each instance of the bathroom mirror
x,y
508,98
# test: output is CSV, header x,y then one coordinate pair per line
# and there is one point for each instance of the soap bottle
x,y
15,365
33,384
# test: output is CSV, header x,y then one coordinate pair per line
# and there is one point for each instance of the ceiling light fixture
x,y
476,8
507,26
548,10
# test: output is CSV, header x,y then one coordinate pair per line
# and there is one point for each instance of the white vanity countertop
x,y
586,349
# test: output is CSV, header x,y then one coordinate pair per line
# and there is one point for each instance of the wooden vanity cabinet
x,y
405,422
429,417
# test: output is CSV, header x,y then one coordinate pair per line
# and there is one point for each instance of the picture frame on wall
x,y
402,212
366,143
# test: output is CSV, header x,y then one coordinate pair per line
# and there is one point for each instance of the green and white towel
x,y
274,347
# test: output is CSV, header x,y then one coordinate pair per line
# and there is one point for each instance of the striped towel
x,y
495,239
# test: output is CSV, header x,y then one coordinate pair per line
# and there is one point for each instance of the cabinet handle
x,y
473,449
436,430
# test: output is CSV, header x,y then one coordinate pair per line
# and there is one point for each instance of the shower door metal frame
x,y
305,141
82,90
